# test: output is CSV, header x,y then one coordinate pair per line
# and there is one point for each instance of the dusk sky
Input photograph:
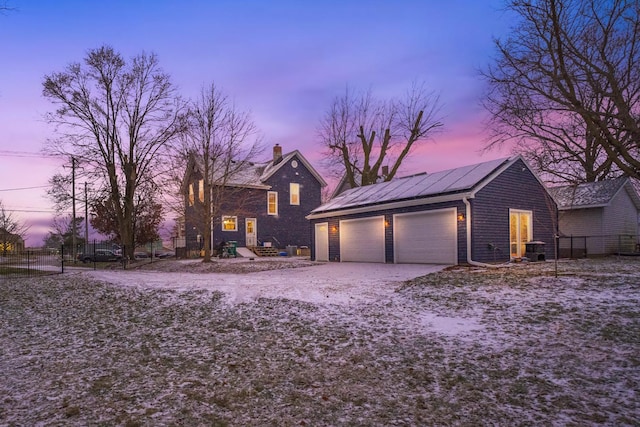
x,y
282,60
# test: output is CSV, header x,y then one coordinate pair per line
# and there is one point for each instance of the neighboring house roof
x,y
253,174
452,184
593,194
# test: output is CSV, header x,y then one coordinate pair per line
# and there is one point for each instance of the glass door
x,y
520,231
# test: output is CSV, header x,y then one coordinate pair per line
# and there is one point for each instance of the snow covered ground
x,y
249,343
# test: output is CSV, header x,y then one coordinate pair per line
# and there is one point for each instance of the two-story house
x,y
261,204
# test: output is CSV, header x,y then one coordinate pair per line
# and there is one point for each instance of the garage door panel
x,y
426,237
362,240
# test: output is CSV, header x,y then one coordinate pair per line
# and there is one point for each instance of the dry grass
x,y
462,347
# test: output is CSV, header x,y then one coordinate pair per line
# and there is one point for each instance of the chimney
x,y
277,154
385,171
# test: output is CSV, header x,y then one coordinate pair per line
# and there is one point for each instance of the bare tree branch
x,y
115,117
361,134
223,140
565,87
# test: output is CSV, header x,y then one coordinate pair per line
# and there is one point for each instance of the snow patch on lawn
x,y
328,283
450,325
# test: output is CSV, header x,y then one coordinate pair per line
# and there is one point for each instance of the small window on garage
x,y
229,223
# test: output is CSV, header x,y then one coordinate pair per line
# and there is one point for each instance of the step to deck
x,y
263,251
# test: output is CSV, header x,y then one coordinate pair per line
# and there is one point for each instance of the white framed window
x,y
201,190
520,231
272,203
191,195
294,193
229,223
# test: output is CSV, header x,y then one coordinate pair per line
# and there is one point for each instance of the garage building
x,y
479,213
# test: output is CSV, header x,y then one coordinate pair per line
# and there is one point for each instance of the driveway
x,y
333,283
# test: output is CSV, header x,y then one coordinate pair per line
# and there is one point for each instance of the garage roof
x,y
420,186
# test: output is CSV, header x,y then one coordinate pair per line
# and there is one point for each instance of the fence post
x,y
62,258
28,263
571,247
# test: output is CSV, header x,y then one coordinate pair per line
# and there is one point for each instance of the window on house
x,y
520,231
191,195
229,223
294,194
272,202
201,190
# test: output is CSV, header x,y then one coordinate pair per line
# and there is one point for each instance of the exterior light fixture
x,y
461,216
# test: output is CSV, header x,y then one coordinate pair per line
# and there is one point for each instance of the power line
x,y
29,211
25,188
28,154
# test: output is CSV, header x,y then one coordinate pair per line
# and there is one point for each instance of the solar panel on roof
x,y
448,181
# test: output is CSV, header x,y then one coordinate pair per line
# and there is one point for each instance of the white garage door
x,y
362,240
426,237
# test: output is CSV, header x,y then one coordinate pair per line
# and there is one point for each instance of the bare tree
x,y
565,87
363,134
223,140
62,230
115,117
12,231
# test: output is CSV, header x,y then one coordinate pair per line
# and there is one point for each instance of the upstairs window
x,y
272,202
229,223
191,195
294,194
201,190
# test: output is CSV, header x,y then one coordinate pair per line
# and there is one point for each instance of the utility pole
x,y
86,215
73,203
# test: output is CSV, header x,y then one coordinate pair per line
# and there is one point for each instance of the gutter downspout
x,y
469,260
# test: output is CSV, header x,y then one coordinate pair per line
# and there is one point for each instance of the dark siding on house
x,y
192,227
243,203
515,188
290,226
334,240
388,239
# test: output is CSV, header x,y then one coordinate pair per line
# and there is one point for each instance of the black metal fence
x,y
30,263
92,254
594,246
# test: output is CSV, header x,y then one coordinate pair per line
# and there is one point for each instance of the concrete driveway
x,y
333,283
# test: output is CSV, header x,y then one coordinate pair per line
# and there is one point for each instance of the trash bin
x,y
292,250
231,248
534,251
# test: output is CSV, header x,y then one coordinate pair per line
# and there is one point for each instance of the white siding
x,y
583,222
620,218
